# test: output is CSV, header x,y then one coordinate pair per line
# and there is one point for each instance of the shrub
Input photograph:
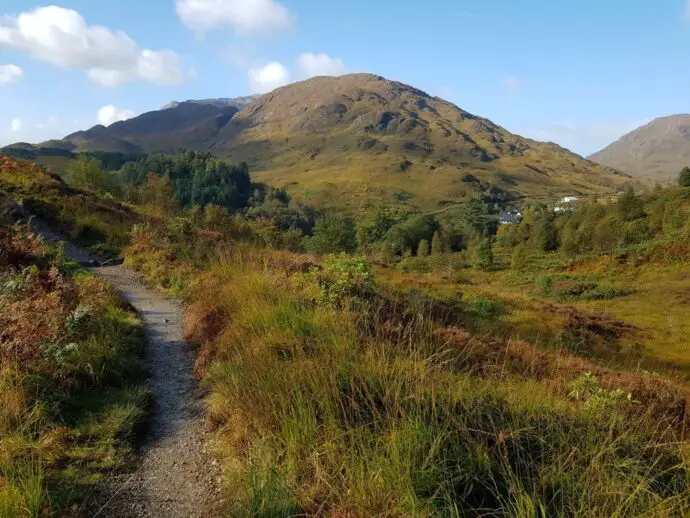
x,y
333,233
87,174
519,259
438,245
343,280
629,205
486,308
423,249
684,177
586,388
481,254
417,264
545,285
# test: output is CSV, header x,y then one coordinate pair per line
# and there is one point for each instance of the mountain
x,y
336,141
658,150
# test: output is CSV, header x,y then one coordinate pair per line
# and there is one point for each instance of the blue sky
x,y
578,73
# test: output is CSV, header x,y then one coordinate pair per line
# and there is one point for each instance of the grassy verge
x,y
71,363
334,396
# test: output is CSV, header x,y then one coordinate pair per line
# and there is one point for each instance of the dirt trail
x,y
176,477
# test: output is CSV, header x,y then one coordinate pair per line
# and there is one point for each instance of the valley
x,y
386,343
280,258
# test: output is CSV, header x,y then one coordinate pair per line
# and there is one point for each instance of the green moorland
x,y
71,363
426,364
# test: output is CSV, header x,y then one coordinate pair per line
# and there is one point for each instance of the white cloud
x,y
687,9
515,84
109,114
111,58
16,125
268,77
312,65
244,16
10,74
584,139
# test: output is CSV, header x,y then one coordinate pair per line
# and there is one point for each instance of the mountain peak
x,y
656,150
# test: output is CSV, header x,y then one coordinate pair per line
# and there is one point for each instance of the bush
x,y
423,249
438,245
629,205
343,280
416,264
486,308
481,254
333,233
87,174
586,388
684,177
519,259
545,285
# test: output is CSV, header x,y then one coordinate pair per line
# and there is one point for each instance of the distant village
x,y
514,217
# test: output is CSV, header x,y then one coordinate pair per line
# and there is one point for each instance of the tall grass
x,y
360,409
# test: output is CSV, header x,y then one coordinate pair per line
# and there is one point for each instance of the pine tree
x,y
684,177
438,246
423,248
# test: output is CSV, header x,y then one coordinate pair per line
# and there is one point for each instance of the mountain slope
x,y
185,125
658,150
338,140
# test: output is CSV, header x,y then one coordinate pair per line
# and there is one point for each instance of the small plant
x,y
486,308
586,388
545,284
76,319
343,278
569,341
16,284
583,386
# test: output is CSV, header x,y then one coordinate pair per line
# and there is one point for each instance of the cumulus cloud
x,y
109,114
268,77
244,16
311,65
581,138
16,125
62,37
10,74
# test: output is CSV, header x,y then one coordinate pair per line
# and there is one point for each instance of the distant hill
x,y
185,125
337,141
658,150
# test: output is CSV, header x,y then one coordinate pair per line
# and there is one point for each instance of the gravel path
x,y
176,477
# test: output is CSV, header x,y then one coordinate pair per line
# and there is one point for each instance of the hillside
x,y
658,150
335,141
